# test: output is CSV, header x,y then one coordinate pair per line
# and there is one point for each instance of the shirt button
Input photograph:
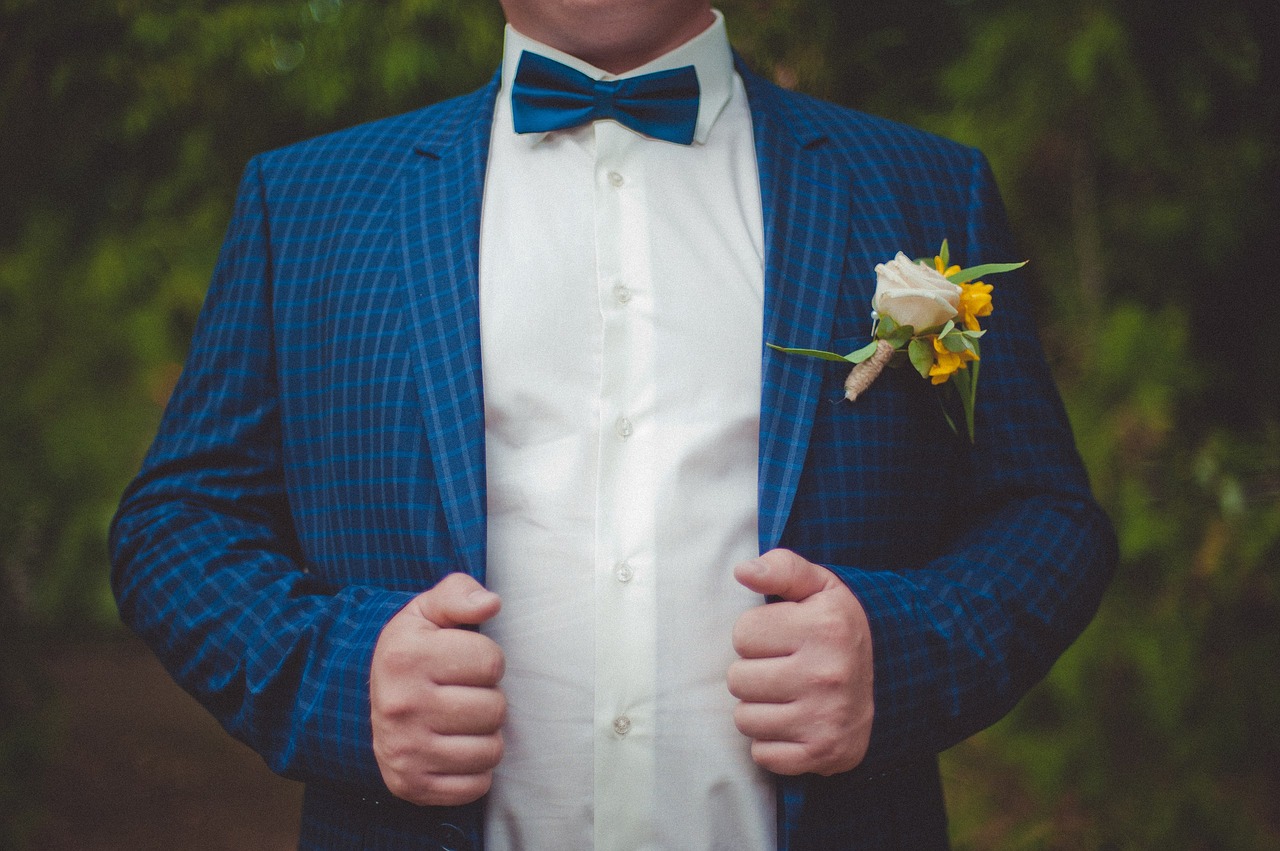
x,y
623,425
623,572
622,293
622,725
615,179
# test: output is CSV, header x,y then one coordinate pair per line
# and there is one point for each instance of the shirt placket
x,y
625,505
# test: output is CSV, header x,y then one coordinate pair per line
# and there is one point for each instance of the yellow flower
x,y
946,362
942,269
975,301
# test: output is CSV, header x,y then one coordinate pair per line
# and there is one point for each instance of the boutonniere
x,y
924,313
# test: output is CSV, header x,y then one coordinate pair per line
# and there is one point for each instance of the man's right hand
x,y
437,710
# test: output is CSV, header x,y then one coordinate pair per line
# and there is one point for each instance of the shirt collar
x,y
709,53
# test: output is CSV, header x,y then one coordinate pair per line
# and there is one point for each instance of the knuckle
x,y
460,790
790,559
429,794
390,655
479,784
486,781
734,679
388,750
403,786
748,628
392,707
791,564
433,704
781,556
398,786
498,710
830,623
424,799
815,751
740,718
828,677
451,583
494,751
771,759
399,656
492,664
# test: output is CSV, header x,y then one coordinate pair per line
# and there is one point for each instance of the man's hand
x,y
804,678
436,707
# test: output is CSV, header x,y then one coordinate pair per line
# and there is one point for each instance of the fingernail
x,y
480,596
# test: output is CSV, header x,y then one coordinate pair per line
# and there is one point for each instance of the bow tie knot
x,y
548,95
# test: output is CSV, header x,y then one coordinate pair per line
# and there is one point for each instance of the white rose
x,y
914,294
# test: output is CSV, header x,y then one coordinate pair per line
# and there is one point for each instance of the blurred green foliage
x,y
1137,145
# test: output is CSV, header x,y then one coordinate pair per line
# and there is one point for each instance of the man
x,y
308,544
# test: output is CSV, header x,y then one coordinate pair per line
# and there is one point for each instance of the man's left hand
x,y
804,678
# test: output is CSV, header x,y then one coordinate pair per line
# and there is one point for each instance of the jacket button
x,y
452,838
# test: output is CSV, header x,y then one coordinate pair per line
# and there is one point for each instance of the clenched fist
x,y
804,676
437,710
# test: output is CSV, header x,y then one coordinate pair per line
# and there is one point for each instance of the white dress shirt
x,y
621,299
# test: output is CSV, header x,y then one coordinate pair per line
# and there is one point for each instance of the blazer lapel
x,y
439,228
805,200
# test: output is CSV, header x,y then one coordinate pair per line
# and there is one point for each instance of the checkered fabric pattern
x,y
322,459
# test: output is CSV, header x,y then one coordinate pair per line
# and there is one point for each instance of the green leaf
x,y
974,335
964,276
900,336
966,344
966,382
813,353
921,353
886,327
945,414
945,254
946,329
863,353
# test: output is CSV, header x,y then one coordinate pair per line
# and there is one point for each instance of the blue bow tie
x,y
548,95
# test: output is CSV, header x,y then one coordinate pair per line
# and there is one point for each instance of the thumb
x,y
457,600
782,574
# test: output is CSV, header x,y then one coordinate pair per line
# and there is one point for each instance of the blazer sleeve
x,y
205,562
959,639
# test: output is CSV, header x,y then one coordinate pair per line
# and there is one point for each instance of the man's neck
x,y
622,43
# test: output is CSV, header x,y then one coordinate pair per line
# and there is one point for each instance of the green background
x,y
1136,142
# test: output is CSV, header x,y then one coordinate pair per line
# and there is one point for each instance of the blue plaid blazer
x,y
322,459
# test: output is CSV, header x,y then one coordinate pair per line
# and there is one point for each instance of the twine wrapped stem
x,y
862,374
